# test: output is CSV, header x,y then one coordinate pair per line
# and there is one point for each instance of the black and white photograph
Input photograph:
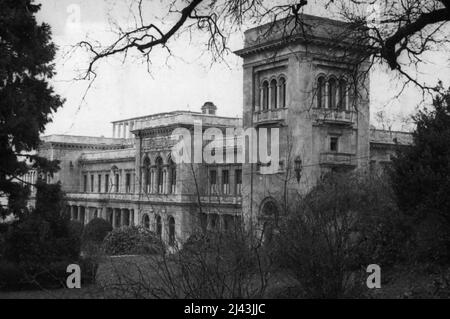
x,y
223,155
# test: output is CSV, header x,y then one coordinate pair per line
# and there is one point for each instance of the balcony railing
x,y
334,116
270,116
337,159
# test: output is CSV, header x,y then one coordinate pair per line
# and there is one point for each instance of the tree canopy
x,y
27,100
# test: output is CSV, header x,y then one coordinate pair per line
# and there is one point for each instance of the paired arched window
x,y
171,231
332,94
273,94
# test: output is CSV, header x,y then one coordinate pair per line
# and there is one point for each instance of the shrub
x,y
96,231
132,241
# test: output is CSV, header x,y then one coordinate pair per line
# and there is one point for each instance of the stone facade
x,y
301,86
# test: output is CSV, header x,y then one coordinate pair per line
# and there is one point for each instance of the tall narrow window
x,y
159,174
282,93
273,94
173,176
128,183
99,185
146,175
85,183
107,183
158,226
321,92
116,184
332,90
238,180
265,102
342,95
225,182
92,183
212,182
171,231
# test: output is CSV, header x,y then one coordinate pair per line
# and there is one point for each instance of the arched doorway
x,y
269,215
146,221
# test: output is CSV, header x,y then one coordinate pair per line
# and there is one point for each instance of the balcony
x,y
334,116
271,116
337,159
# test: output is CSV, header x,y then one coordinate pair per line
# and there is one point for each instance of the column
x,y
114,130
166,180
347,100
327,88
124,130
261,99
131,215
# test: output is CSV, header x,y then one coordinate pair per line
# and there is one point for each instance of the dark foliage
x,y
96,231
26,98
132,241
421,179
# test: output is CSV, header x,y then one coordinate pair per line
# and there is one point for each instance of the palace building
x,y
301,85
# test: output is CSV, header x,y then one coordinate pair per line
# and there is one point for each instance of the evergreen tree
x,y
27,101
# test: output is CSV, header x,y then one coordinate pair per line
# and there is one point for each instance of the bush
x,y
132,241
96,231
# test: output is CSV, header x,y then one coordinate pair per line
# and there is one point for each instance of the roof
x,y
307,28
390,137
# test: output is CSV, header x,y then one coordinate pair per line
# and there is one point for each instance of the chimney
x,y
209,108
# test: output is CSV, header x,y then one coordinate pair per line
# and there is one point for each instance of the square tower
x,y
309,80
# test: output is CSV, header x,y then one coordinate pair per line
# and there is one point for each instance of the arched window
x,y
273,94
159,175
146,221
342,94
282,84
158,226
172,176
265,95
321,92
146,172
171,231
332,90
269,216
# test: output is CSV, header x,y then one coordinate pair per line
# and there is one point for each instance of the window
x,y
107,183
225,182
92,183
265,95
99,185
342,95
128,183
282,93
171,231
273,94
147,181
158,226
321,92
334,142
212,182
146,221
213,222
159,174
332,93
238,179
85,183
173,177
116,184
